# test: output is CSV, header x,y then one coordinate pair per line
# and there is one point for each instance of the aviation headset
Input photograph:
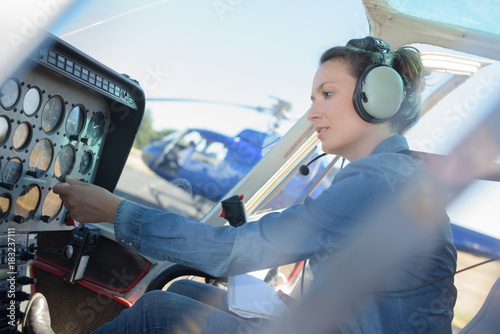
x,y
379,90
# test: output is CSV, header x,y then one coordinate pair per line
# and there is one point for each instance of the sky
x,y
234,51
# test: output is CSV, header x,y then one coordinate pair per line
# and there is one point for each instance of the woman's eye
x,y
327,94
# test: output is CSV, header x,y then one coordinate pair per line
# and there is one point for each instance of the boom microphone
x,y
304,169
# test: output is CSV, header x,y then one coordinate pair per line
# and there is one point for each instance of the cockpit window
x,y
482,16
210,152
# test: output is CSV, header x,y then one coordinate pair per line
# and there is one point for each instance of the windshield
x,y
482,15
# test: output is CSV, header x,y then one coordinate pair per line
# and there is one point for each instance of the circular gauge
x,y
9,93
52,114
32,100
86,162
95,129
28,201
52,205
75,121
4,129
22,136
65,161
12,171
40,158
5,203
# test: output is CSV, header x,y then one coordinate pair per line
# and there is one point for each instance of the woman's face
x,y
340,129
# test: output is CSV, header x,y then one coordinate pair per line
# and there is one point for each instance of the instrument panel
x,y
61,115
48,130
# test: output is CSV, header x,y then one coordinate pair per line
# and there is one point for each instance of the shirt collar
x,y
394,143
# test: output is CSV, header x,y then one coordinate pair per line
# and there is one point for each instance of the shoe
x,y
37,318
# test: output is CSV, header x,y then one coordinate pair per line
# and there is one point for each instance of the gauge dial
x,y
41,157
86,162
52,205
28,201
52,114
9,94
75,121
95,129
12,171
31,101
65,161
4,129
5,203
21,136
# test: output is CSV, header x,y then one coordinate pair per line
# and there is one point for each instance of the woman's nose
x,y
313,112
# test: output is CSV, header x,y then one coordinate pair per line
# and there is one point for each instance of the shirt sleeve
x,y
295,234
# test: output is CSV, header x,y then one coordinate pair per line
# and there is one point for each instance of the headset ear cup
x,y
378,94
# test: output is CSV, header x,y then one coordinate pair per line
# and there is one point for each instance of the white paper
x,y
251,297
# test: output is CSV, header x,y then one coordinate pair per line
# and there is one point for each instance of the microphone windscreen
x,y
304,170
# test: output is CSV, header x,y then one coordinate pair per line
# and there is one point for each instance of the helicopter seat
x,y
487,319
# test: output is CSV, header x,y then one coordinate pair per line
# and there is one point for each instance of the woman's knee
x,y
185,286
153,299
202,292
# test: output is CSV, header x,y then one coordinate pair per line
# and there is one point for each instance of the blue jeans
x,y
187,307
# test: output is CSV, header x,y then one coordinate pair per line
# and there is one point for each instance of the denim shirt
x,y
304,232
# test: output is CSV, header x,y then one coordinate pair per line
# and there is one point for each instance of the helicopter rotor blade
x,y
167,99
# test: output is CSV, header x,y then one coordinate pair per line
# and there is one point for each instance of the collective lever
x,y
66,252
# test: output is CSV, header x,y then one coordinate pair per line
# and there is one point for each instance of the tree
x,y
146,134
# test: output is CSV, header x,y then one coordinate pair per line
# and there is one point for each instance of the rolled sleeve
x,y
127,223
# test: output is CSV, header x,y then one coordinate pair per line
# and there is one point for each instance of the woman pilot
x,y
349,122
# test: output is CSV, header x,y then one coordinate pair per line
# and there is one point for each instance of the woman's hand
x,y
86,202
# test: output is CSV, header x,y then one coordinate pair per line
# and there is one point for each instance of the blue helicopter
x,y
204,162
